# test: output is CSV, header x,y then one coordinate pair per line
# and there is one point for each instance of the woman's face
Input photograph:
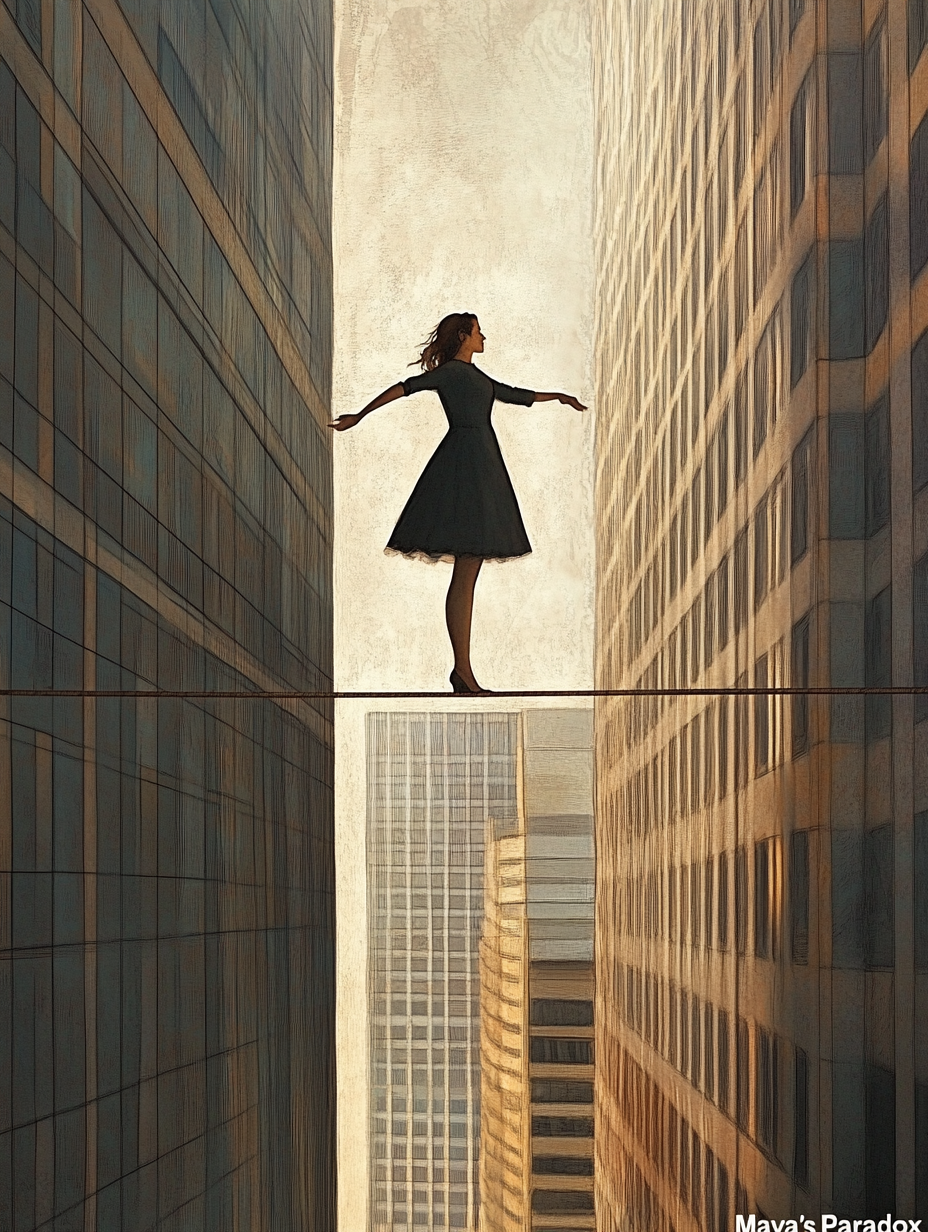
x,y
477,339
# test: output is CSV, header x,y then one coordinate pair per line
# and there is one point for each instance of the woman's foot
x,y
460,685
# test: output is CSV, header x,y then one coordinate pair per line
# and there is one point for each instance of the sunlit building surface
x,y
536,977
762,477
166,880
433,780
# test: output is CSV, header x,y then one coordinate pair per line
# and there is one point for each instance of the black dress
x,y
464,503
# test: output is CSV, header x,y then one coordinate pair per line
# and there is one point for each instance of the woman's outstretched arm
x,y
388,395
567,399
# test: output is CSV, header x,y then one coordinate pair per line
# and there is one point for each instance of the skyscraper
x,y
536,977
433,779
762,519
166,896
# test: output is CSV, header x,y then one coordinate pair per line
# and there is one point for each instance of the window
x,y
684,1160
562,1127
879,897
723,617
547,1051
877,663
547,1012
696,512
740,131
695,1043
764,898
767,203
695,1174
800,322
880,1137
918,30
846,299
742,299
801,144
694,894
708,1051
555,1091
799,676
762,80
741,733
708,899
562,1165
876,271
743,1075
876,446
741,1198
761,551
920,409
723,1046
722,466
845,112
742,413
684,1034
768,710
767,1093
846,476
921,890
711,1219
724,300
918,197
768,390
741,900
920,633
722,1200
801,1119
875,89
722,902
557,1201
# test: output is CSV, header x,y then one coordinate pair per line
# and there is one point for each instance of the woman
x,y
463,509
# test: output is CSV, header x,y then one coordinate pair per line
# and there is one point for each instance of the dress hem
x,y
436,558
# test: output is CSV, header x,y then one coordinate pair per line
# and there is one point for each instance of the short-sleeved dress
x,y
463,503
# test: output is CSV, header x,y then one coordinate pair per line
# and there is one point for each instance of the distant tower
x,y
433,780
762,519
536,973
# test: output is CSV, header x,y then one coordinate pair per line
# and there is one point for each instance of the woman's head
x,y
445,340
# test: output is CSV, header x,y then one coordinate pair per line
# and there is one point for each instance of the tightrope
x,y
310,695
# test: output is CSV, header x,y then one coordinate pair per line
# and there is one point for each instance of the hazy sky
x,y
463,182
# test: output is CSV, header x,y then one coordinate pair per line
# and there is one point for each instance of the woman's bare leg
x,y
459,607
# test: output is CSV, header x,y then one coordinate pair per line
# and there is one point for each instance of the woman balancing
x,y
463,509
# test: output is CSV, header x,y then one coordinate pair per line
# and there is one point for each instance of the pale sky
x,y
463,182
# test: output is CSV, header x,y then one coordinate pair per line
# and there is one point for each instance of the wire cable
x,y
385,695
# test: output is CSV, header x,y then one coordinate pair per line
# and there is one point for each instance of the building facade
x,y
433,780
536,987
166,879
762,519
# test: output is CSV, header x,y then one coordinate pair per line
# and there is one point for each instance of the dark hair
x,y
444,342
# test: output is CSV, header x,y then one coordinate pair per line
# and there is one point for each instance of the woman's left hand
x,y
570,400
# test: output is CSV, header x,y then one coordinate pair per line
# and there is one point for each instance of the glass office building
x,y
762,520
536,987
433,780
166,867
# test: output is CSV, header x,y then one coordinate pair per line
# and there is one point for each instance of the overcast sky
x,y
463,182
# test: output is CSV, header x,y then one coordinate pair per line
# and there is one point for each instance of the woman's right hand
x,y
345,421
